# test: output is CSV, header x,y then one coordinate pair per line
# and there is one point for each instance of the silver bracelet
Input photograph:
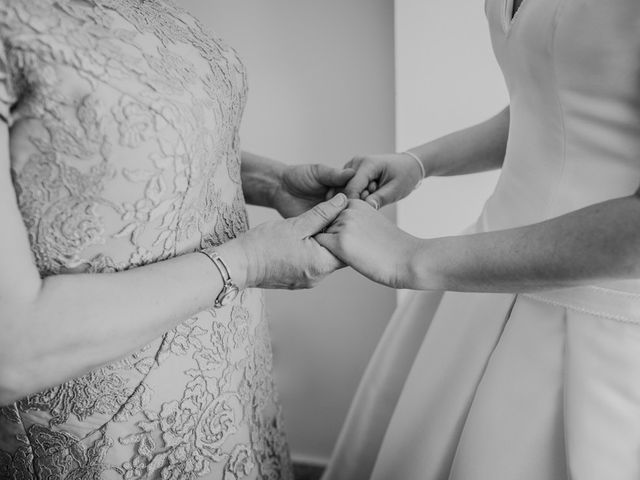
x,y
415,157
229,289
422,170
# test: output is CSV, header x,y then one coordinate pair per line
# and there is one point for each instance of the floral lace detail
x,y
61,455
9,414
55,455
178,440
18,466
125,151
99,392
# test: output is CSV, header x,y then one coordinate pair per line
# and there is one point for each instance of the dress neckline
x,y
515,9
512,14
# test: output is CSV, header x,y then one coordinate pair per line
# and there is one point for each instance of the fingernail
x,y
373,202
339,200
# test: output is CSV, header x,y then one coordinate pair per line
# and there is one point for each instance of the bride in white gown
x,y
527,367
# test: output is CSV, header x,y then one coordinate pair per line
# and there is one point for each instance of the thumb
x,y
329,241
320,216
333,177
384,196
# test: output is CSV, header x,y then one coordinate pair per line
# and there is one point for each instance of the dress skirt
x,y
500,387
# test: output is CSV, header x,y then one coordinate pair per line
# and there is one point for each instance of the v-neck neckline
x,y
510,16
514,10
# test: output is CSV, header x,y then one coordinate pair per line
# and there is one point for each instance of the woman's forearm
x,y
261,178
66,325
475,149
597,243
75,323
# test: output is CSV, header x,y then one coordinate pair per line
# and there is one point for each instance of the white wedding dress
x,y
527,386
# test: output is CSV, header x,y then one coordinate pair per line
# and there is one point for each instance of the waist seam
x,y
581,309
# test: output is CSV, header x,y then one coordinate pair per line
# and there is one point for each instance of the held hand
x,y
283,253
304,186
382,179
364,239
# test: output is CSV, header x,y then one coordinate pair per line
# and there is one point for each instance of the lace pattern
x,y
124,122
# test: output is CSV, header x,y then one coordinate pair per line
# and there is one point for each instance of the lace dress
x,y
124,122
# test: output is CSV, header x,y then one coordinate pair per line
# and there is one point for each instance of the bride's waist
x,y
616,300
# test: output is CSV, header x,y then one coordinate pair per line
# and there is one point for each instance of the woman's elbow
x,y
15,377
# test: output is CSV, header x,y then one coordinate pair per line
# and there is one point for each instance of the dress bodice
x,y
124,119
124,138
574,135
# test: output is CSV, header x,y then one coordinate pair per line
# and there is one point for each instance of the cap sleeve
x,y
7,95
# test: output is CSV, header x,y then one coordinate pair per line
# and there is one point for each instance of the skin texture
x,y
371,244
63,326
293,189
383,179
549,254
393,176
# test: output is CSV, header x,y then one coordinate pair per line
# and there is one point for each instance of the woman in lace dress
x,y
120,165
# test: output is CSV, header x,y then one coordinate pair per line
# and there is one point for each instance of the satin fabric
x,y
526,386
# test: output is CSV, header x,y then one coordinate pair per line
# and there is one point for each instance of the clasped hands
x,y
331,220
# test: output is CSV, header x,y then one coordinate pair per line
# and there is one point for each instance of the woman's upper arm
x,y
19,277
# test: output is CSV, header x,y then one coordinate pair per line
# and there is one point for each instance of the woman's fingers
x,y
333,177
320,216
385,195
330,242
373,201
371,188
353,163
338,228
365,174
330,194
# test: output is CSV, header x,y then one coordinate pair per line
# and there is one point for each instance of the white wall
x,y
320,90
447,79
